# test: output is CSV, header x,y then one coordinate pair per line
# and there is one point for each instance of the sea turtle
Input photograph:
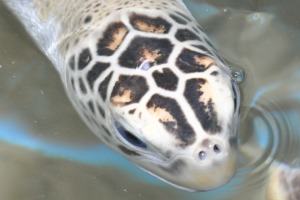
x,y
148,82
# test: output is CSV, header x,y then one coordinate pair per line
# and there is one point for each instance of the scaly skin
x,y
146,80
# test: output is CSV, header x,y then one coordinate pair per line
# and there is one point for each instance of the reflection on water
x,y
47,152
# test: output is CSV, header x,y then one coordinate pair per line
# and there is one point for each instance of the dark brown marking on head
x,y
91,106
72,62
89,118
67,46
128,89
198,94
190,61
176,167
148,24
168,112
95,72
154,50
132,111
168,154
185,34
177,19
87,19
101,111
127,151
76,41
210,51
214,73
85,58
97,5
103,86
82,86
165,79
111,39
72,84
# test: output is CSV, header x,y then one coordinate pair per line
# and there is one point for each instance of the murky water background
x,y
46,152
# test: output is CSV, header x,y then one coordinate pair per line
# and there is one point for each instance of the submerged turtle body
x,y
146,80
284,183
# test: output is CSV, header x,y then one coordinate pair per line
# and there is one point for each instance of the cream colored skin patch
x,y
142,26
162,114
205,61
150,56
118,37
207,93
122,98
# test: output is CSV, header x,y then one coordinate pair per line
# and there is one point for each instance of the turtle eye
x,y
130,137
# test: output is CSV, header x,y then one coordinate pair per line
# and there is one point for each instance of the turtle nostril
x,y
202,155
217,148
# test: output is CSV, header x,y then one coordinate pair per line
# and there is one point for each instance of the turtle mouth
x,y
187,173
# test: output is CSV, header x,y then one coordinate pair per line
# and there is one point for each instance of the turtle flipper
x,y
284,183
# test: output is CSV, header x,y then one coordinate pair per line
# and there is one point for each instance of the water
x,y
48,153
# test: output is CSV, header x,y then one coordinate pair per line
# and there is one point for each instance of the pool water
x,y
47,152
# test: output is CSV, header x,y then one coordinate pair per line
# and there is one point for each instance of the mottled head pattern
x,y
147,81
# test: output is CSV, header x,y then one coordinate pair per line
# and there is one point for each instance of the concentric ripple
x,y
269,136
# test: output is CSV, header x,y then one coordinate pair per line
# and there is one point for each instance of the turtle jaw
x,y
208,176
190,174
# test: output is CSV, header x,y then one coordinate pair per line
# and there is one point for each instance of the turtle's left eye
x,y
130,137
